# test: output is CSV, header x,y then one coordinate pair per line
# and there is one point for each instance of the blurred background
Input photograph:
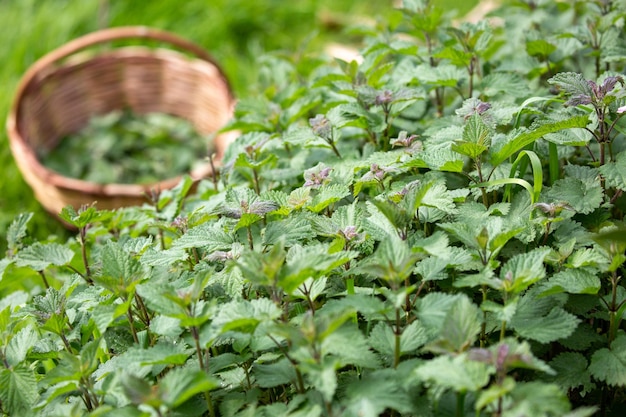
x,y
235,32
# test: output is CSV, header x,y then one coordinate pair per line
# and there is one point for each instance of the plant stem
x,y
250,240
398,337
131,322
483,326
82,233
207,395
460,404
214,173
255,182
45,281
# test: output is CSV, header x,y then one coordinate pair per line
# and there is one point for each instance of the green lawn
x,y
234,31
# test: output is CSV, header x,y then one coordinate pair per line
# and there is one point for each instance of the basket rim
x,y
45,67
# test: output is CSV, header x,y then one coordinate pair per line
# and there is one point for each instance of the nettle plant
x,y
434,231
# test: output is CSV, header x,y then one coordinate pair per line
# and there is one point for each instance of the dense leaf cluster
x,y
434,231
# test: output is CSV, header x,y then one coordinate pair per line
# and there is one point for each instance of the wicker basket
x,y
61,92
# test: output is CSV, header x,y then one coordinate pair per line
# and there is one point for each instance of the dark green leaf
x,y
609,365
39,256
19,389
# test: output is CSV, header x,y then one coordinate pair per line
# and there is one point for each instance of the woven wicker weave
x,y
61,92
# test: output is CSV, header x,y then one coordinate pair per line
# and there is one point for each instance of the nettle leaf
x,y
539,319
39,256
17,230
609,365
163,258
614,172
311,288
570,137
327,195
20,345
291,230
509,83
304,262
444,75
460,328
442,158
571,372
350,345
268,375
84,216
19,389
455,372
476,137
537,398
432,309
573,281
118,263
377,225
438,196
432,268
583,196
180,384
244,316
523,270
207,235
572,83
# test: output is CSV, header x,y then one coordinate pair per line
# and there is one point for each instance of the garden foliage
x,y
434,231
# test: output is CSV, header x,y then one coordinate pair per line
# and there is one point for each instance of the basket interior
x,y
61,100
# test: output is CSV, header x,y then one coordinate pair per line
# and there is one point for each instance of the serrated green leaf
x,y
573,281
378,391
167,257
476,131
244,316
162,353
471,150
571,372
523,270
538,319
311,288
586,257
457,373
39,256
268,375
460,328
583,196
84,216
432,268
118,264
350,346
537,398
432,309
327,195
539,48
207,235
609,365
509,83
323,378
17,230
442,158
614,172
378,225
19,389
572,83
20,344
437,196
180,384
291,229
